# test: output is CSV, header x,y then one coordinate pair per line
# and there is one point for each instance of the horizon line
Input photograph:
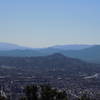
x,y
50,45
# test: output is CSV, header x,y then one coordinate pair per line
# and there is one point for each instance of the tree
x,y
43,92
48,93
61,95
31,92
2,98
85,97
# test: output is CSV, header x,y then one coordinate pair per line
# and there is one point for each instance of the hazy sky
x,y
41,23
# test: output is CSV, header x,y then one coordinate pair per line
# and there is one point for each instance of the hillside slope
x,y
56,62
91,54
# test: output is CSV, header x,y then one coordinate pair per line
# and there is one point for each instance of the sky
x,y
43,23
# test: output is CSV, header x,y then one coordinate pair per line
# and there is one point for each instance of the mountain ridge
x,y
90,54
11,46
56,61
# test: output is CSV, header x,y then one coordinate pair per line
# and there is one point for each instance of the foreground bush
x,y
42,92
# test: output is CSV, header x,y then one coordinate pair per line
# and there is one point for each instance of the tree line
x,y
45,92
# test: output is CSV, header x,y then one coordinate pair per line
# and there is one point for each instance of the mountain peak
x,y
57,56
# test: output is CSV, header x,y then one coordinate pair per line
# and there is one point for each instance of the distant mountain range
x,y
72,46
9,46
89,53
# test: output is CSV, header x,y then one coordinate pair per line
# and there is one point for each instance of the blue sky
x,y
42,23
